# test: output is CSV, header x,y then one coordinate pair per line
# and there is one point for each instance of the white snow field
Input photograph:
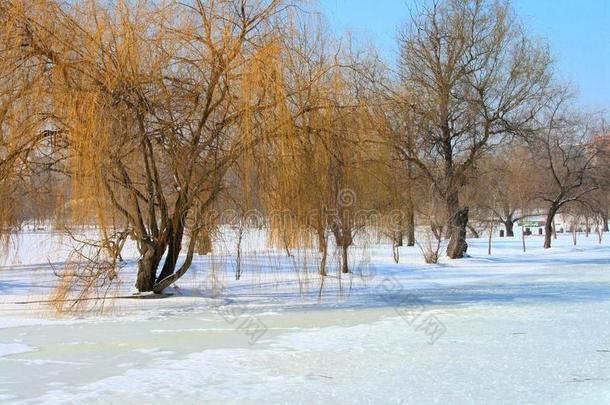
x,y
510,328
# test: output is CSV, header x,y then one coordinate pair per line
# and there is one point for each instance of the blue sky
x,y
578,32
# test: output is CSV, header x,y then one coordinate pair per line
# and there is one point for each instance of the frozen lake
x,y
511,328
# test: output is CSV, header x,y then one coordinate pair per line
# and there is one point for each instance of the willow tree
x,y
290,192
25,142
316,178
152,99
473,78
297,187
348,174
397,173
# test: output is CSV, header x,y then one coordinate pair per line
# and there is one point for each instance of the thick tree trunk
x,y
173,252
605,220
170,242
548,226
343,238
456,227
456,249
509,225
166,282
147,269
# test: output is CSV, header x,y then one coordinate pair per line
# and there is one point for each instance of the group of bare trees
x,y
486,125
142,118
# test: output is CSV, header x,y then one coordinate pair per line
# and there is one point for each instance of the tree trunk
x,y
321,232
343,239
173,252
166,282
456,249
147,269
344,264
605,220
491,232
240,233
410,225
574,236
548,226
509,224
587,227
396,253
398,238
322,247
170,241
324,252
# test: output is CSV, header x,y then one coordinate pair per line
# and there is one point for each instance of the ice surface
x,y
516,327
6,349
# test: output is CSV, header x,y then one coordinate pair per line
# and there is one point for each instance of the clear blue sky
x,y
578,32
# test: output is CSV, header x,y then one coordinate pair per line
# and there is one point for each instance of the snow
x,y
7,349
512,327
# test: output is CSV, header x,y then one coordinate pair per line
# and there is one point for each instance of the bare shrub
x,y
430,246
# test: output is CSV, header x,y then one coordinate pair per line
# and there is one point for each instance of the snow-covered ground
x,y
512,327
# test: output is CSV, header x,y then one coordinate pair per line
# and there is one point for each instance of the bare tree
x,y
504,179
473,78
562,149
